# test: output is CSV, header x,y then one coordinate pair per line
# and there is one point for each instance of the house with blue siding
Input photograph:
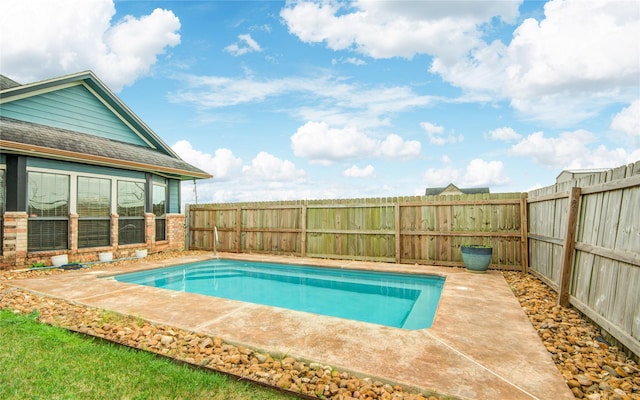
x,y
81,174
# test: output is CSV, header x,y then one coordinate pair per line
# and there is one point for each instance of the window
x,y
131,212
94,212
2,194
48,210
159,209
2,191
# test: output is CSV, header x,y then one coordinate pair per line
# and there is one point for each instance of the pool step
x,y
213,275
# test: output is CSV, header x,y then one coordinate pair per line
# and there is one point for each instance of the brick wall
x,y
14,244
176,231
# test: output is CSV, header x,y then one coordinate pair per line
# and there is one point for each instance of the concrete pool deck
x,y
481,344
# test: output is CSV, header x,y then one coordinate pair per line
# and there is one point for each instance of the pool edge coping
x,y
437,334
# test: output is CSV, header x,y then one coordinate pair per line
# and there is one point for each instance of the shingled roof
x,y
7,83
49,142
37,138
453,189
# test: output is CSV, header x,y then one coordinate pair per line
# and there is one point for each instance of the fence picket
x,y
425,230
606,269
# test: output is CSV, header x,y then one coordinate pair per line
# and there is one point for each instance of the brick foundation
x,y
14,243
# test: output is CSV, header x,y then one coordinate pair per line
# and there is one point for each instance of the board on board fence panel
x,y
605,281
630,221
349,227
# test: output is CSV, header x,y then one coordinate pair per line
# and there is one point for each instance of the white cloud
x,y
477,173
480,71
355,61
393,146
436,135
505,134
356,172
571,150
628,120
578,59
562,69
41,39
432,129
384,29
322,144
267,167
248,45
553,152
348,60
214,91
212,191
577,43
438,177
485,173
326,98
319,143
602,157
223,165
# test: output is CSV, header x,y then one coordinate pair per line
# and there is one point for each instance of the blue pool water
x,y
399,300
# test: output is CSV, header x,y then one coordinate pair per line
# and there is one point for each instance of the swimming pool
x,y
398,300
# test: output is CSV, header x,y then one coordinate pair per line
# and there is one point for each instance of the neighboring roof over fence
x,y
7,83
569,174
78,118
453,189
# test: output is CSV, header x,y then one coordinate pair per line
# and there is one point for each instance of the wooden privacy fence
x,y
584,242
421,230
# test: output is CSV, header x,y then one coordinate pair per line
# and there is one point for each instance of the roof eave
x,y
90,79
65,155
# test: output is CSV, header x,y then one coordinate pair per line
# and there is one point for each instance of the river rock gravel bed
x,y
592,368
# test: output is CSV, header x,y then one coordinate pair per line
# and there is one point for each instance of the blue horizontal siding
x,y
82,168
174,196
74,108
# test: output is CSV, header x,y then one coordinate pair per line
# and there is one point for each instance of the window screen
x,y
159,200
130,199
2,194
161,229
48,209
131,212
94,212
2,191
47,234
48,195
159,209
94,197
130,230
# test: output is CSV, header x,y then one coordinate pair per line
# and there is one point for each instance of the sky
x,y
300,100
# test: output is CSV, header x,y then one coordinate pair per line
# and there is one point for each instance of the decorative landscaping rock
x,y
592,368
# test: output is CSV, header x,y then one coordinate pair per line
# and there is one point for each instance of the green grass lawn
x,y
39,361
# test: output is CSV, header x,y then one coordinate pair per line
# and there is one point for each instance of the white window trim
x,y
73,184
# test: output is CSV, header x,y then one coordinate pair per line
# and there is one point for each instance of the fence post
x,y
569,247
524,229
238,229
303,233
187,228
397,223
